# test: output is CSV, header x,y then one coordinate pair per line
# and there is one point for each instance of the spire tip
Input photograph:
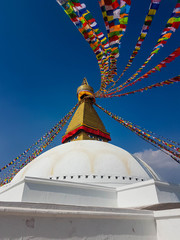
x,y
85,82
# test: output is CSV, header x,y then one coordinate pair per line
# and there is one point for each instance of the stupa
x,y
87,188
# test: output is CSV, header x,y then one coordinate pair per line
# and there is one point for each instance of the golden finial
x,y
85,90
85,82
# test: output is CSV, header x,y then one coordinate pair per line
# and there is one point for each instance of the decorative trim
x,y
96,132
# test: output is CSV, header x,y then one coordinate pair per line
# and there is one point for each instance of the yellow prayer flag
x,y
110,18
148,18
143,34
104,14
171,20
103,39
152,12
137,48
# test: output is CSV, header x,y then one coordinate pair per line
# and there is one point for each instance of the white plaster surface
x,y
42,190
167,222
147,193
12,192
48,191
42,222
85,158
136,195
101,180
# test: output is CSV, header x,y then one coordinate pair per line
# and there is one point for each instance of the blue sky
x,y
43,59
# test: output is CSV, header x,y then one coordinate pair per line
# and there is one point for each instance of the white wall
x,y
72,228
58,192
21,222
168,224
147,193
11,192
136,195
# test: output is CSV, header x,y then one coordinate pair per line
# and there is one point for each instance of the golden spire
x,y
86,124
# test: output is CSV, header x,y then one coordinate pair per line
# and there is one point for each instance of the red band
x,y
86,129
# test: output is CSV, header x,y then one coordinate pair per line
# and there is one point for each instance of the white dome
x,y
88,161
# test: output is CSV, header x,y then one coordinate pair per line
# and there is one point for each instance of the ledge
x,y
63,211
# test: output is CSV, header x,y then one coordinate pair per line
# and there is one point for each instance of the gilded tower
x,y
86,124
